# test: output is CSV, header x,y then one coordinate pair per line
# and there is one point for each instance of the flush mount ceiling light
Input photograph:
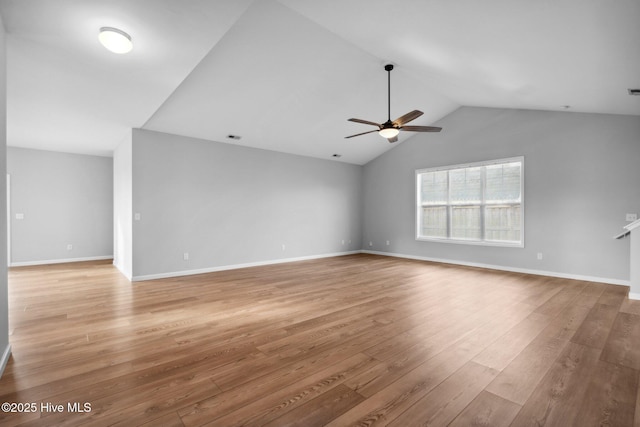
x,y
115,40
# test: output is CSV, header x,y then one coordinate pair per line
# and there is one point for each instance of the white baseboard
x,y
59,261
237,266
420,258
5,359
633,295
512,269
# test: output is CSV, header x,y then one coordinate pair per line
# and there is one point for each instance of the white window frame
x,y
482,242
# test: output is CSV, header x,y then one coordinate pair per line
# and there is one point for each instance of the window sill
x,y
472,242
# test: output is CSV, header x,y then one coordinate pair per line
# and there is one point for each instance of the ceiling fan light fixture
x,y
388,132
115,40
390,129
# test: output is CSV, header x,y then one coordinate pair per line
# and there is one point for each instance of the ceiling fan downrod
x,y
388,69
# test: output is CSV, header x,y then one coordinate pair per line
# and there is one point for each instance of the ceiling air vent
x,y
635,92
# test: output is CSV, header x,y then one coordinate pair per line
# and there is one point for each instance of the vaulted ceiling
x,y
286,75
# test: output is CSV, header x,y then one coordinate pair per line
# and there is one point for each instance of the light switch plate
x,y
632,217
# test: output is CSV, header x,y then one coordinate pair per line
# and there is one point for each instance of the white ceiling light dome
x,y
115,40
388,132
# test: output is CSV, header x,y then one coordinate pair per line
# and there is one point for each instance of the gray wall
x,y
4,300
65,199
227,205
123,208
581,177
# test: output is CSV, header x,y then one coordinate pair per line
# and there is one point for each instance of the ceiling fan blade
x,y
421,128
407,117
392,139
363,133
365,122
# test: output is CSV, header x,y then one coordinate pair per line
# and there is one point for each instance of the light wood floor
x,y
354,340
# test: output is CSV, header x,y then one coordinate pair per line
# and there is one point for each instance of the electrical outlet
x,y
539,255
284,247
69,247
632,217
370,243
136,216
185,256
343,241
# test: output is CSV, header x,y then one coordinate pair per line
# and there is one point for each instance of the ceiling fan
x,y
390,129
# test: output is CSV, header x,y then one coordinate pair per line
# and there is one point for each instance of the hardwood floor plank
x,y
541,293
246,392
559,301
383,374
630,306
502,351
565,324
623,345
169,420
590,294
596,326
499,323
232,375
158,404
438,332
22,419
487,410
335,316
440,406
370,382
136,406
518,380
327,332
393,400
557,399
320,410
281,401
609,397
212,355
352,340
614,295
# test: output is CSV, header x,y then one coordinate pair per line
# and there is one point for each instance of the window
x,y
478,203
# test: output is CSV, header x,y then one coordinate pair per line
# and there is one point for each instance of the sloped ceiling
x,y
285,75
